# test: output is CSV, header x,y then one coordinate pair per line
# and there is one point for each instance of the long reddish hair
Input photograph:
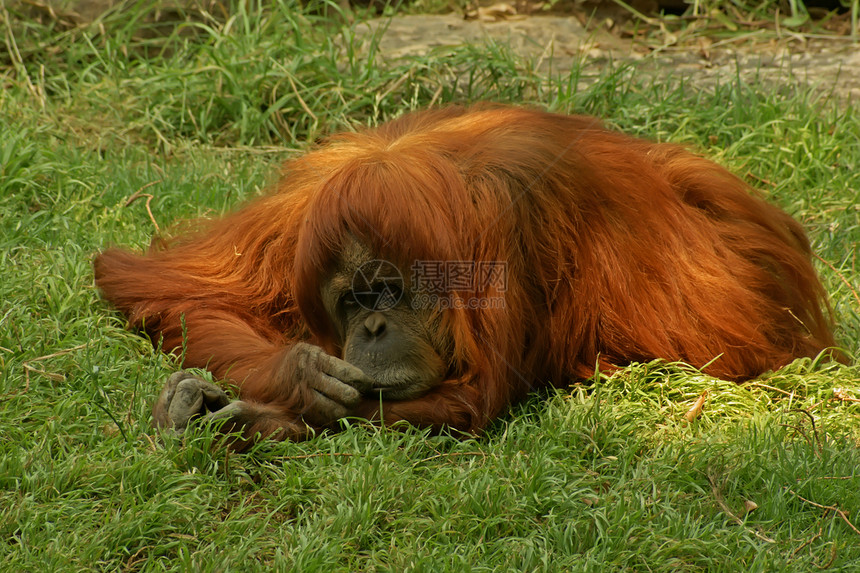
x,y
616,250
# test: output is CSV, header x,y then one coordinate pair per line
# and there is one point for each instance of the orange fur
x,y
617,250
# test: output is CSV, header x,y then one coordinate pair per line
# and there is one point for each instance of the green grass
x,y
599,478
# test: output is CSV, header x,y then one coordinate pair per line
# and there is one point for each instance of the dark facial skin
x,y
389,351
404,350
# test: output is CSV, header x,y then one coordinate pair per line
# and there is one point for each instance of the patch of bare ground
x,y
560,42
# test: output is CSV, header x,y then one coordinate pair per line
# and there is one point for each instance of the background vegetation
x,y
197,110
